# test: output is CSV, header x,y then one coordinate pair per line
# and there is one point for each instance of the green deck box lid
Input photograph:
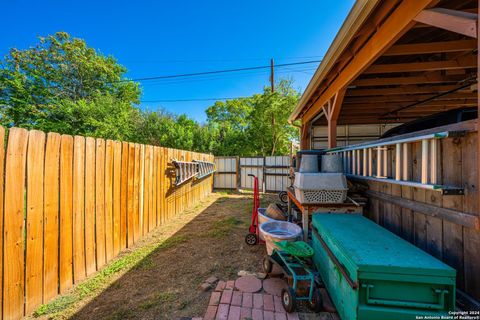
x,y
377,249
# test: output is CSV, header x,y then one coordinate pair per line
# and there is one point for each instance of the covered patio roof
x,y
394,61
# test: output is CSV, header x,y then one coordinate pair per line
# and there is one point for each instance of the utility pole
x,y
272,75
272,84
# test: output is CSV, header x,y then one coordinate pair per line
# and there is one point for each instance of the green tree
x,y
255,125
63,85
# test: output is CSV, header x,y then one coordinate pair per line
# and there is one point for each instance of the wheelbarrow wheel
x,y
288,299
315,304
251,239
267,264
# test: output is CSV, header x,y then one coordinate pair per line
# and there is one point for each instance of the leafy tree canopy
x,y
62,85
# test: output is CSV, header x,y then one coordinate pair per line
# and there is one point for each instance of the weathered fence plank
x,y
109,149
130,195
13,254
78,208
66,224
51,215
90,206
100,234
34,221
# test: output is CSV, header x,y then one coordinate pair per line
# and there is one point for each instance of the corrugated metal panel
x,y
276,173
226,174
251,165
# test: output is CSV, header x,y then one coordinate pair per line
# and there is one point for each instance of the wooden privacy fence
x,y
69,205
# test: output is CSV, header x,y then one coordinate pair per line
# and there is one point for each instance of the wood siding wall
x,y
69,205
455,244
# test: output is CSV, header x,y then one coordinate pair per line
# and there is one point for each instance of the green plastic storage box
x,y
372,274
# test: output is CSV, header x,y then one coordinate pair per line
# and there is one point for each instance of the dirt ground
x,y
205,241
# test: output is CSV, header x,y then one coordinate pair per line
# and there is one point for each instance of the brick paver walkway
x,y
227,303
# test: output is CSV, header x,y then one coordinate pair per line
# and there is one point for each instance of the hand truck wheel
x,y
251,239
283,196
267,264
288,299
315,304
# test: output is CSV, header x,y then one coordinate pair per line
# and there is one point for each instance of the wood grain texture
x,y
136,195
51,215
100,234
2,176
79,272
66,223
130,195
34,221
90,261
123,196
146,191
109,151
141,192
13,249
117,174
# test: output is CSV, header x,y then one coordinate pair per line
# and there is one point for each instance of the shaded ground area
x,y
203,241
159,277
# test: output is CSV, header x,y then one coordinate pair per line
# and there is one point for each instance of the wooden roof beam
x,y
429,77
400,90
399,21
431,47
452,20
469,61
406,98
370,107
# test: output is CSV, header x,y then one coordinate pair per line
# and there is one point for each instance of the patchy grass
x,y
157,299
141,258
160,277
223,227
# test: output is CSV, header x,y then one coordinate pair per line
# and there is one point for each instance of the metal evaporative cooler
x,y
372,274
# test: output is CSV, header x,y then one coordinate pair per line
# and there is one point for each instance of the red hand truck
x,y
252,238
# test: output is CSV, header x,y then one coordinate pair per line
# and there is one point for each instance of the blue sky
x,y
154,38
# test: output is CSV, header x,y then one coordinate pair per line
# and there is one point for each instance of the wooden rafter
x,y
431,47
469,61
452,20
427,78
364,107
406,98
398,22
400,90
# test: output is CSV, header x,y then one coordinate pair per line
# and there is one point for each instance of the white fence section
x,y
226,173
272,173
251,165
276,173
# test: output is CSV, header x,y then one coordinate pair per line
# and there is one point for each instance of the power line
x,y
216,71
193,99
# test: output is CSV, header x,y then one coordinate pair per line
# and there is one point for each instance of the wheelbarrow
x,y
294,258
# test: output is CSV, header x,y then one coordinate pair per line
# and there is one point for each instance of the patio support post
x,y
332,111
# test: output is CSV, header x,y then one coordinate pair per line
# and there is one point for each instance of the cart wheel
x,y
315,304
288,299
251,239
283,196
267,264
